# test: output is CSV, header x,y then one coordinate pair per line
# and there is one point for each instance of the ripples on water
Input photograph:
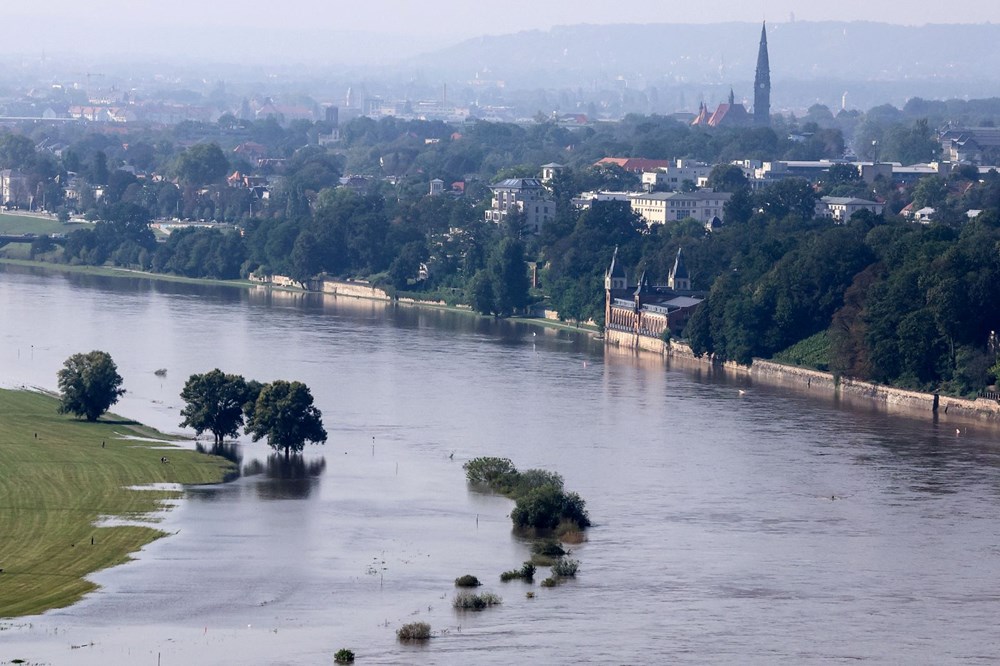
x,y
764,527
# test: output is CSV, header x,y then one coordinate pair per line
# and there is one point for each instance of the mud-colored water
x,y
762,527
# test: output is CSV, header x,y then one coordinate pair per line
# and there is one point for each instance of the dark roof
x,y
518,184
616,270
680,267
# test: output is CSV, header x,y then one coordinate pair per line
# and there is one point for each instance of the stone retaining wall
x,y
928,405
353,289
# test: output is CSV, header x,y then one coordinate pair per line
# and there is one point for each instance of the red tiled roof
x,y
634,164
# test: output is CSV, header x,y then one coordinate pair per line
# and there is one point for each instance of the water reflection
x,y
228,450
291,477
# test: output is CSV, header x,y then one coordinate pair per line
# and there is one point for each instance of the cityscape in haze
x,y
730,272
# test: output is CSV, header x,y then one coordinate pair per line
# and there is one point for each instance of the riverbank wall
x,y
853,391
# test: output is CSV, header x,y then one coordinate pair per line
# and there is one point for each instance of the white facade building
x,y
663,207
842,208
526,195
672,177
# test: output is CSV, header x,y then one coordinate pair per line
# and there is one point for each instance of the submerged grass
x,y
56,481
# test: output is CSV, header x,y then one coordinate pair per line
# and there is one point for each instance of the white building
x,y
663,207
672,177
841,209
525,195
586,199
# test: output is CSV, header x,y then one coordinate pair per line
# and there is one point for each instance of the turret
x,y
615,277
679,279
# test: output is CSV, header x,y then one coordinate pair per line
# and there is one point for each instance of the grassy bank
x,y
54,486
34,224
110,271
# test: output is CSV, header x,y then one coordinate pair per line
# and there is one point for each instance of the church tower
x,y
762,84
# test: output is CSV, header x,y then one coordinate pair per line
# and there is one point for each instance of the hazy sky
x,y
459,19
364,32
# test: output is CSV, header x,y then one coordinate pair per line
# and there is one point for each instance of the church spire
x,y
762,84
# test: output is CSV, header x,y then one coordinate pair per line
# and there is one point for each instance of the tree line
x,y
281,412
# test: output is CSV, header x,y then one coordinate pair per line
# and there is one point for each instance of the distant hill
x,y
899,61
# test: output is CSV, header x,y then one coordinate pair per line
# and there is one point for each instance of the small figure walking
x,y
102,444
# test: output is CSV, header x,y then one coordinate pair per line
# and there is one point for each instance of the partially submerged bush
x,y
473,601
497,474
467,581
548,547
531,479
565,568
344,656
540,560
546,507
414,631
526,572
550,582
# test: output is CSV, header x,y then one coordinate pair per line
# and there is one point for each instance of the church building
x,y
732,114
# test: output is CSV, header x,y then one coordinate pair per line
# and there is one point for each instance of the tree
x,y
285,415
216,402
508,276
727,178
202,164
89,384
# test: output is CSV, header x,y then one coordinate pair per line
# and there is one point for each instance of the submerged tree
x,y
216,402
89,384
285,415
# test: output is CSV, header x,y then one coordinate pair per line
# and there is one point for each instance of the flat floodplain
x,y
57,483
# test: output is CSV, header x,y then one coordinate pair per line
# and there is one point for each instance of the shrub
x,y
565,568
344,656
497,474
535,478
543,560
472,601
467,581
546,507
526,572
414,631
550,582
548,547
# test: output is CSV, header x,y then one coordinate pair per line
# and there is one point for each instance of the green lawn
x,y
54,487
27,224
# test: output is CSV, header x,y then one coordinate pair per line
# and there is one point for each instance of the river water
x,y
753,526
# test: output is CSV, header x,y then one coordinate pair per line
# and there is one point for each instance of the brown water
x,y
716,537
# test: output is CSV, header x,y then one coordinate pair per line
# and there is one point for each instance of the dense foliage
x,y
217,402
89,384
541,503
285,416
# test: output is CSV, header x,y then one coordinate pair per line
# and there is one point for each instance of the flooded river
x,y
730,527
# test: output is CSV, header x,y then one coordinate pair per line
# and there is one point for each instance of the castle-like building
x,y
732,114
645,310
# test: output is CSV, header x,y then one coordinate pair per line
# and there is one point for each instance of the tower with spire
x,y
762,84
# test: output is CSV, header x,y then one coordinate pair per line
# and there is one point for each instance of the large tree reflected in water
x,y
291,477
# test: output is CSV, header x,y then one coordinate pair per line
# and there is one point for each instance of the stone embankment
x,y
348,288
854,391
